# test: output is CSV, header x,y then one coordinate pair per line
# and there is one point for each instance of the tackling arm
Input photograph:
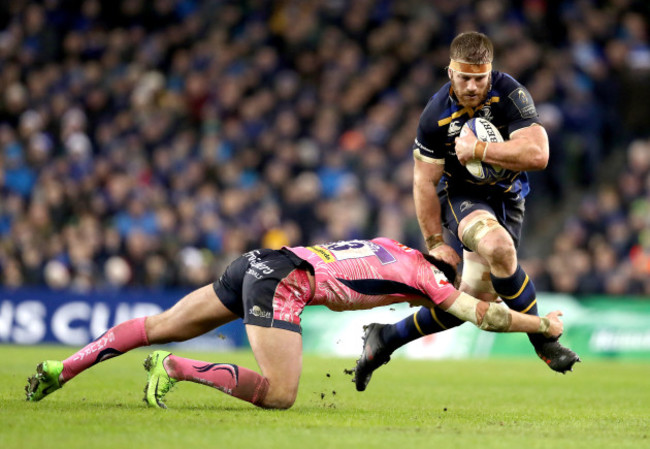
x,y
497,318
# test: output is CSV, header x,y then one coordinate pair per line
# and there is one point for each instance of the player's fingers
x,y
455,260
448,255
441,256
454,255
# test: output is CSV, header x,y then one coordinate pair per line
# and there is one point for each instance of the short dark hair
x,y
447,269
472,47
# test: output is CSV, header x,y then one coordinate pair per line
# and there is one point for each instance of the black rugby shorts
x,y
266,288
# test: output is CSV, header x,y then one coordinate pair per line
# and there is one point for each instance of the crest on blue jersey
x,y
524,102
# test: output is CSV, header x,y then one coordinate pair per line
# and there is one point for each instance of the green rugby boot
x,y
158,381
45,381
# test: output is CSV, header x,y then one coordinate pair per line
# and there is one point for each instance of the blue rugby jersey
x,y
508,106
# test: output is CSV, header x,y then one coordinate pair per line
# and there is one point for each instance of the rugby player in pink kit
x,y
268,289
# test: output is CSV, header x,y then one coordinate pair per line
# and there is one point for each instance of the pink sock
x,y
234,380
116,341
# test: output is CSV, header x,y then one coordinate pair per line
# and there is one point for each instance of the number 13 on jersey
x,y
352,249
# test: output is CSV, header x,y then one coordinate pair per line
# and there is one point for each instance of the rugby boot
x,y
375,353
556,356
158,381
45,381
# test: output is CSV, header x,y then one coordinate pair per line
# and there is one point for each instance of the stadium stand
x,y
149,143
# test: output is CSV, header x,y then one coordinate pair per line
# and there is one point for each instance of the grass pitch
x,y
434,404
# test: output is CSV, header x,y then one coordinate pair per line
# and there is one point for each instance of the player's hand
x,y
465,143
447,254
557,327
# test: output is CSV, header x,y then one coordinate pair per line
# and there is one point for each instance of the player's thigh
x,y
195,314
507,213
279,355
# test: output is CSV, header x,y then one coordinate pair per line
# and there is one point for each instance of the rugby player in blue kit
x,y
485,214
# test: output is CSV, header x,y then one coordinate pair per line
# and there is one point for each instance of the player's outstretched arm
x,y
549,325
496,318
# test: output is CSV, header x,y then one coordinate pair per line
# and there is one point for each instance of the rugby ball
x,y
487,132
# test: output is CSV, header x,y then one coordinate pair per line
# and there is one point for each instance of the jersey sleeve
x,y
429,145
520,107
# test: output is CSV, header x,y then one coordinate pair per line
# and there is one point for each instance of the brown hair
x,y
472,48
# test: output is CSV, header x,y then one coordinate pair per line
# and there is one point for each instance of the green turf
x,y
434,404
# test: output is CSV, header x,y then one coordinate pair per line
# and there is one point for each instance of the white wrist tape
x,y
544,325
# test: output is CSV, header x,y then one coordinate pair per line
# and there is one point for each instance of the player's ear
x,y
449,73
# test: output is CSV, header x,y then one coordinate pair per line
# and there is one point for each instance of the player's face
x,y
471,90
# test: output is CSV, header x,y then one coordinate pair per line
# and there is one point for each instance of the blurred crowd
x,y
605,247
149,143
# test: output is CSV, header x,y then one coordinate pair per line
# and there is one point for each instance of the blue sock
x,y
424,322
518,292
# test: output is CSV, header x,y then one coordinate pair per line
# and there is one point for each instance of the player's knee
x,y
278,400
279,396
502,253
499,249
283,403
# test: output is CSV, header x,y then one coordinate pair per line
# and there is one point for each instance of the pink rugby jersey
x,y
361,274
